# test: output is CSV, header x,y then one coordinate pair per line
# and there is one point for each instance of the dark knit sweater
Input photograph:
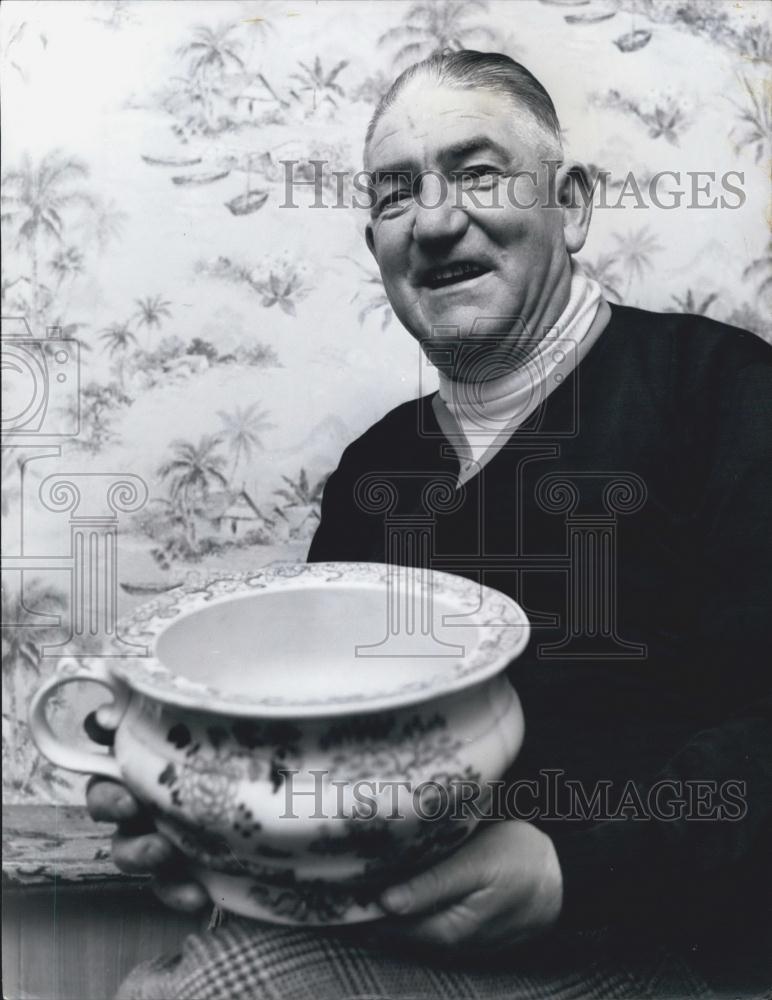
x,y
664,437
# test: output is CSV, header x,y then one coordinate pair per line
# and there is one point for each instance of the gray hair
x,y
468,69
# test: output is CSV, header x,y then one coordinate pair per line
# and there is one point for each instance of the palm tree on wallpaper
x,y
212,53
634,251
242,429
12,302
689,303
320,83
67,262
604,271
432,25
191,473
12,464
151,311
36,200
118,338
213,49
761,269
301,492
22,644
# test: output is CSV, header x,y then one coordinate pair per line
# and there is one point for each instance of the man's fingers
x,y
143,855
433,889
453,926
450,926
109,802
188,897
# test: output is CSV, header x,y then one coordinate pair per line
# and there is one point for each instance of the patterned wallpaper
x,y
219,349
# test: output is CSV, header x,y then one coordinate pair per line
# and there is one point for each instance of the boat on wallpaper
x,y
244,204
589,17
208,178
633,40
156,161
148,588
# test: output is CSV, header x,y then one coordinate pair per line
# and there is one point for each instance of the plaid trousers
x,y
248,960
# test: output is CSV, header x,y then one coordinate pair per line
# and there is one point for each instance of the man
x,y
557,412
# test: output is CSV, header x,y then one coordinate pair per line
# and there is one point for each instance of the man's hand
x,y
139,849
501,887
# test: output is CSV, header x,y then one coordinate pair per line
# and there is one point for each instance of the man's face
x,y
476,262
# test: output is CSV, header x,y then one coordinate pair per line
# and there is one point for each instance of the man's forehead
x,y
424,122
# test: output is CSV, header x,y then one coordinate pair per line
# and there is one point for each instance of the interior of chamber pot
x,y
315,643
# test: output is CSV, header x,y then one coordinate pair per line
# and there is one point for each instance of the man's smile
x,y
454,273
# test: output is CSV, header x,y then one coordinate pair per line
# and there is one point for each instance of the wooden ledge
x,y
61,845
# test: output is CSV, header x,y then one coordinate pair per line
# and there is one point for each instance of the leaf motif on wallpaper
x,y
747,317
760,271
280,281
663,117
754,116
637,185
372,297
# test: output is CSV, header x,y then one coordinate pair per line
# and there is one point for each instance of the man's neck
x,y
515,349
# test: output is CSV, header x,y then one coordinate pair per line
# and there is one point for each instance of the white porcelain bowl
x,y
302,732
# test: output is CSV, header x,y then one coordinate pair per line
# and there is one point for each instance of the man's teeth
x,y
455,273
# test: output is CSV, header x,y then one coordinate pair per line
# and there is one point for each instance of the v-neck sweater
x,y
662,438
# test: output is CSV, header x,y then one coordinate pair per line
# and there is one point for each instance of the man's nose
x,y
437,217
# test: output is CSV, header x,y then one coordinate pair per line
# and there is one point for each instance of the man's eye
x,y
477,176
395,199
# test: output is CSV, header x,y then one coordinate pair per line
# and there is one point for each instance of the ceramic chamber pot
x,y
309,733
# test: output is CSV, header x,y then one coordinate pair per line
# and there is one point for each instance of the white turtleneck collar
x,y
479,417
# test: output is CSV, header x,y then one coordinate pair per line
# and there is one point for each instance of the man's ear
x,y
370,239
575,194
